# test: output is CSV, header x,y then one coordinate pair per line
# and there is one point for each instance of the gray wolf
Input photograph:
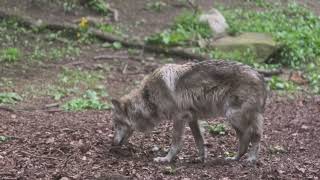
x,y
185,93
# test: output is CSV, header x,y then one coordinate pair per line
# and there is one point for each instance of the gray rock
x,y
261,44
216,21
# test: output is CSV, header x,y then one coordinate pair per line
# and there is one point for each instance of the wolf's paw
x,y
251,161
200,159
161,160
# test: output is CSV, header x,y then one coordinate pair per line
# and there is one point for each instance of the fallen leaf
x,y
297,78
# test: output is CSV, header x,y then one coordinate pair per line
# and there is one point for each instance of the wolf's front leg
x,y
176,145
198,137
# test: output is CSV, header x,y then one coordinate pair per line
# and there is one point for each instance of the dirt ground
x,y
77,145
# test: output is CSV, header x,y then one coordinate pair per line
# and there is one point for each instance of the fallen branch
x,y
172,51
40,24
107,56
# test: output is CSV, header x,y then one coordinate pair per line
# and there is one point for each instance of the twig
x,y
106,56
67,159
193,6
113,57
52,105
179,168
6,174
74,63
124,71
43,157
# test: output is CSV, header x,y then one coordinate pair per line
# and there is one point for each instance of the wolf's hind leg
x,y
176,145
198,137
244,140
241,125
257,131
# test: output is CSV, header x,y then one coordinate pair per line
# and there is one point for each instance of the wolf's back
x,y
218,80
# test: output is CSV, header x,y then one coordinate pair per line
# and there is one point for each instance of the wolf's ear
x,y
117,106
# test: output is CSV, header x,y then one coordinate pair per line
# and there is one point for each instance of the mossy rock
x,y
261,44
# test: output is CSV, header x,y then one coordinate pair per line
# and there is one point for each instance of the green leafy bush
x,y
90,100
246,57
186,28
99,6
156,6
295,27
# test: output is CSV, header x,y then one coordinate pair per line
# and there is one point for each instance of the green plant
x,y
114,45
9,98
229,154
117,45
10,33
74,82
277,83
156,6
63,52
295,27
110,29
246,57
89,100
99,6
54,53
68,6
260,3
217,129
187,28
72,77
38,53
10,55
4,139
57,93
6,83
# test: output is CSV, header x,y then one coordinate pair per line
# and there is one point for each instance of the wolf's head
x,y
121,123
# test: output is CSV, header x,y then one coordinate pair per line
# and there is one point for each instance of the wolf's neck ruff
x,y
171,74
